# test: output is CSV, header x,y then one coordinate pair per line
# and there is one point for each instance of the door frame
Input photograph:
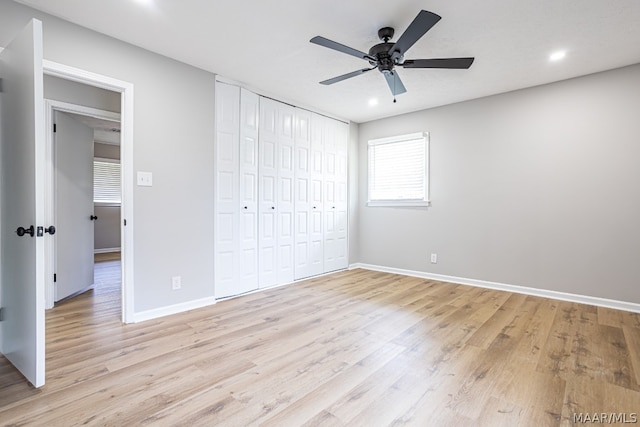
x,y
125,89
50,206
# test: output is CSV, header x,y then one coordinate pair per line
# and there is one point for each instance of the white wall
x,y
173,138
538,188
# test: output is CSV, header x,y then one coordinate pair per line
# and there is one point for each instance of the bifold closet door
x,y
248,191
335,195
275,193
341,217
316,196
302,151
236,191
226,190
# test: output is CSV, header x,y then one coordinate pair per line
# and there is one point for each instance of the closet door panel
x,y
285,207
226,221
302,260
267,193
248,204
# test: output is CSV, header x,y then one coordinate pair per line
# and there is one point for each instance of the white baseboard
x,y
562,296
172,309
106,250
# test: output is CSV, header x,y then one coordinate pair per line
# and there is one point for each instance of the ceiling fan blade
x,y
345,76
456,63
394,82
420,25
339,47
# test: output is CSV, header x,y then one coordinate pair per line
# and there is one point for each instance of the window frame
x,y
107,203
425,201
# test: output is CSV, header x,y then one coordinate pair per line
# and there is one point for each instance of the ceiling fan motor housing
x,y
384,59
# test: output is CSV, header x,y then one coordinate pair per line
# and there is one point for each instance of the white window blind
x,y
106,181
398,170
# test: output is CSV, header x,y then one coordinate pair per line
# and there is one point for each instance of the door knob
x,y
21,231
51,230
93,217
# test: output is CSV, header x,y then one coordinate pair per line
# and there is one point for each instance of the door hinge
x,y
1,314
0,85
55,277
55,128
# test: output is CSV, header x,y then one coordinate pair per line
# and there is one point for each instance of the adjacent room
x,y
320,213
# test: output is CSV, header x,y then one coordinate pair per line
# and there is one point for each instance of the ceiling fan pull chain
x,y
394,87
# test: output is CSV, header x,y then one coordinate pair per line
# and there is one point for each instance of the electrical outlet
x,y
434,258
176,283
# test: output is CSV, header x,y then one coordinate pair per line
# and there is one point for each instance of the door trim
x,y
126,163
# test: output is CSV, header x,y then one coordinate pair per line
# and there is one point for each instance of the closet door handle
x,y
93,217
273,207
246,207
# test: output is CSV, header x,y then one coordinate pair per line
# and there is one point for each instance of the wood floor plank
x,y
352,348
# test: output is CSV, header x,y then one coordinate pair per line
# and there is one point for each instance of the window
x,y
106,181
399,170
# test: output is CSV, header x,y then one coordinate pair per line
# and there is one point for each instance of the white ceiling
x,y
265,44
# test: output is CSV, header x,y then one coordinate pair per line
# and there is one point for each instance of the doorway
x,y
126,161
87,194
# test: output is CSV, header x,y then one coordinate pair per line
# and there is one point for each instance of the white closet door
x,y
341,202
267,188
248,191
285,194
330,231
316,178
302,264
226,189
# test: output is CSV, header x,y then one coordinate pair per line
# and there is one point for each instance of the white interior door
x,y
285,194
248,229
226,190
302,183
335,195
316,215
267,189
340,197
23,142
74,245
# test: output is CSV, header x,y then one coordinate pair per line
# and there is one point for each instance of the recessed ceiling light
x,y
557,56
373,102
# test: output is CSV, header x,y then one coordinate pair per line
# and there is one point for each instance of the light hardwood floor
x,y
352,348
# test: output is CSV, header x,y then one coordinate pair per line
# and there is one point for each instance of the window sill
x,y
400,203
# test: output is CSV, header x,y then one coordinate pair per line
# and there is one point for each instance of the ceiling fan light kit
x,y
387,55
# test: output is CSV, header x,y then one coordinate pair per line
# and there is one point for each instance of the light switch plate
x,y
145,179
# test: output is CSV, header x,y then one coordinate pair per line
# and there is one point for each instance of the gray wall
x,y
106,229
173,138
80,94
539,188
106,151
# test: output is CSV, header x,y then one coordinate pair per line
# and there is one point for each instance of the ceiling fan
x,y
387,55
